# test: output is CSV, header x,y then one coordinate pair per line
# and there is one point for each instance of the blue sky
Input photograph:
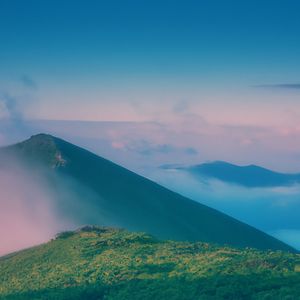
x,y
151,42
230,69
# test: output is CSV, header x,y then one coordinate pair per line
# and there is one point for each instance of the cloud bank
x,y
273,210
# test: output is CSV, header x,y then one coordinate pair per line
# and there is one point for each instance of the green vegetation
x,y
106,263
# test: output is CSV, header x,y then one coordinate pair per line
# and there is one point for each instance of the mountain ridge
x,y
250,176
136,203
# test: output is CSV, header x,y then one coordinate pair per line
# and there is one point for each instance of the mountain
x,y
106,263
248,176
111,195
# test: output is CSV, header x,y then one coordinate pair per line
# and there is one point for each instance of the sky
x,y
146,83
197,67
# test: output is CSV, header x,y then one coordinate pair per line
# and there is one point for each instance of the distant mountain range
x,y
125,199
249,176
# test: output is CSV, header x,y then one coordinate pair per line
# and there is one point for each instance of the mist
x,y
27,215
36,203
17,101
272,210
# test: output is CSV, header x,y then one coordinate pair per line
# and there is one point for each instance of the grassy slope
x,y
105,263
136,203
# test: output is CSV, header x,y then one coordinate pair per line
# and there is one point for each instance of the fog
x,y
36,203
27,215
273,210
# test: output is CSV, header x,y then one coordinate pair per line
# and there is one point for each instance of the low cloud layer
x,y
273,210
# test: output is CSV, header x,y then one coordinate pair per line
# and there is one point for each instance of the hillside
x,y
248,176
130,201
106,263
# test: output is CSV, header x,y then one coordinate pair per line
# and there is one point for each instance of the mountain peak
x,y
40,139
42,148
41,136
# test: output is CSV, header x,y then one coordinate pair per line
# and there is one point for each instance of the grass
x,y
107,263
